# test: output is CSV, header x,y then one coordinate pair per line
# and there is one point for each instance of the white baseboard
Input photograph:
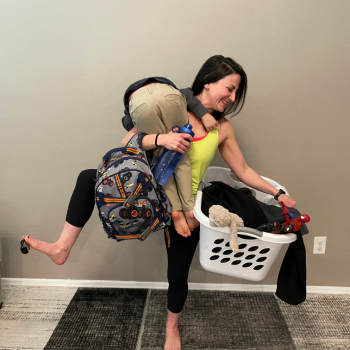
x,y
162,285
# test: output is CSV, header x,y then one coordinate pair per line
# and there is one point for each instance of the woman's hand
x,y
209,122
175,141
288,201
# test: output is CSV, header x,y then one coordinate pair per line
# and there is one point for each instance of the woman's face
x,y
223,91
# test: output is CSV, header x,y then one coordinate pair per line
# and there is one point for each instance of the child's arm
x,y
200,112
209,122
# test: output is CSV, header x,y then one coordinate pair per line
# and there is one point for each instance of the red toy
x,y
295,223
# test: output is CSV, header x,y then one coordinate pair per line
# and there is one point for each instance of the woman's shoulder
x,y
224,125
225,129
223,120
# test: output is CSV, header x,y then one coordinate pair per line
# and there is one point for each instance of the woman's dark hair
x,y
216,68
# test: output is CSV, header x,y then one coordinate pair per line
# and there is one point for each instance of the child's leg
x,y
185,190
174,108
182,203
79,211
180,223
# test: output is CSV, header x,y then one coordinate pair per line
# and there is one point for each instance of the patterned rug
x,y
30,314
37,318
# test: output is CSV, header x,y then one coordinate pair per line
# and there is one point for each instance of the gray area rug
x,y
221,320
100,318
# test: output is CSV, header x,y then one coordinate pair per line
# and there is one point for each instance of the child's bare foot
x,y
54,251
180,223
172,339
191,220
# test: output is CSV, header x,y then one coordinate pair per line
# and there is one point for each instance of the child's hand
x,y
209,122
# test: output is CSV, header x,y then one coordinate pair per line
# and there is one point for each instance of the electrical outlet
x,y
320,245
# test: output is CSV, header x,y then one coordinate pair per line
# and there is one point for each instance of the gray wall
x,y
64,68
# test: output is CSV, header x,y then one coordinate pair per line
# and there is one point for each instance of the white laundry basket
x,y
257,250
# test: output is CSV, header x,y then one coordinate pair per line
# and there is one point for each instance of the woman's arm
x,y
233,156
172,140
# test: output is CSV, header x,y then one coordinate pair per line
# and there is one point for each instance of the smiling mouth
x,y
224,102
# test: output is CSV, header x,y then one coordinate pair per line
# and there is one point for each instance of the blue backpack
x,y
130,203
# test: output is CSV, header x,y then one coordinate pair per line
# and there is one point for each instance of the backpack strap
x,y
159,220
136,141
142,181
132,147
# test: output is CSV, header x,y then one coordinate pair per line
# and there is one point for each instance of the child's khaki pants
x,y
155,109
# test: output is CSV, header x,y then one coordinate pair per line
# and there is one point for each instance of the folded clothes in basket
x,y
240,201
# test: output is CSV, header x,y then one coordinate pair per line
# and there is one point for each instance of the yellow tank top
x,y
201,154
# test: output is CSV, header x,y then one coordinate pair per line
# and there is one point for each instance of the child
x,y
154,105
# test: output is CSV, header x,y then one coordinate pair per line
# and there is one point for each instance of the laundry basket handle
x,y
201,186
249,231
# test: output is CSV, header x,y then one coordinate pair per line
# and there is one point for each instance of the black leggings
x,y
180,253
82,202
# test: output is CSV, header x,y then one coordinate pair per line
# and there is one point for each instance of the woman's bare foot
x,y
172,339
180,223
58,252
191,220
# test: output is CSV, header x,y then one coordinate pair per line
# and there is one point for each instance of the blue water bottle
x,y
168,160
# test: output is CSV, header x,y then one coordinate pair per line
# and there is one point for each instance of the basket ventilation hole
x,y
250,257
227,244
225,260
258,267
216,250
236,262
227,252
238,255
219,241
253,249
242,246
264,251
214,257
261,259
247,264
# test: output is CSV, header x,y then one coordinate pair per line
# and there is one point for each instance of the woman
x,y
221,86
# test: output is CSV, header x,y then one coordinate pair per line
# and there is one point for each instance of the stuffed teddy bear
x,y
220,216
